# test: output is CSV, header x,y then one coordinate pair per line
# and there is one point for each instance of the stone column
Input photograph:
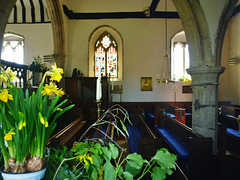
x,y
205,101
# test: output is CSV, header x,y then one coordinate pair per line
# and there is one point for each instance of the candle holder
x,y
98,116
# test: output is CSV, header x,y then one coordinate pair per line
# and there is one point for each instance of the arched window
x,y
106,45
13,48
106,52
180,57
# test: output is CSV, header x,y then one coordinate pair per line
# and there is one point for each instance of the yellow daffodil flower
x,y
8,136
238,119
4,96
60,92
46,123
56,73
56,69
42,120
85,157
59,109
11,74
3,78
20,126
49,89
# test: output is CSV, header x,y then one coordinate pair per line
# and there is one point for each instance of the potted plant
x,y
92,159
27,122
38,68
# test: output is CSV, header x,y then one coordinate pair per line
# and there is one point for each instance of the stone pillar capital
x,y
205,75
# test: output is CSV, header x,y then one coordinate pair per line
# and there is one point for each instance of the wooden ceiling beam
x,y
115,15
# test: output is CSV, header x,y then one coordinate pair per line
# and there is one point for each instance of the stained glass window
x,y
106,52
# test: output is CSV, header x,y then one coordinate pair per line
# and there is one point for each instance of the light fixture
x,y
232,61
164,77
147,11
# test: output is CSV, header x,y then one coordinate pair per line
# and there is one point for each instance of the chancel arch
x,y
205,24
116,42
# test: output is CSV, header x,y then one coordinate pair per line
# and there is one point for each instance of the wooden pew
x,y
194,152
230,110
68,135
149,146
232,132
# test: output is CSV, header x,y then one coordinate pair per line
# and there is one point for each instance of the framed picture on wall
x,y
146,84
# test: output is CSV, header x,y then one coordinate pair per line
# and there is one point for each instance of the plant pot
x,y
37,78
37,175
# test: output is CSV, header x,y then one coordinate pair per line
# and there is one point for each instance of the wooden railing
x,y
21,72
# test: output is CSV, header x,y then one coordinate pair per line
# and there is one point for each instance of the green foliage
x,y
184,79
37,65
91,160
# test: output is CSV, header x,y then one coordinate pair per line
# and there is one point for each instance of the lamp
x,y
232,61
164,77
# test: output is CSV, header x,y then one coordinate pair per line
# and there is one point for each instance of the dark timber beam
x,y
236,10
153,7
113,15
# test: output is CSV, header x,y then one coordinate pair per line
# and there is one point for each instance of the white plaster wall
x,y
233,85
38,39
224,92
143,49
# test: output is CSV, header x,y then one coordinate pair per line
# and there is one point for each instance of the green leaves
x,y
104,159
109,171
166,161
114,150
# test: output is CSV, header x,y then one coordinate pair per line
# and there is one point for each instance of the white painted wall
x,y
143,49
38,39
230,86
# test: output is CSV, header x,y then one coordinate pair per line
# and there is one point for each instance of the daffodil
x,y
46,124
8,136
59,109
4,95
85,157
49,89
21,125
56,69
42,120
60,92
11,74
56,73
238,119
3,78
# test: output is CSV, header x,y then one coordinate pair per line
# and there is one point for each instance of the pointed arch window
x,y
106,51
13,48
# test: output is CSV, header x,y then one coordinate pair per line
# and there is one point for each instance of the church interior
x,y
173,65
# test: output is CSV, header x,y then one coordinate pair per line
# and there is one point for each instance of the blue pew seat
x,y
177,144
133,139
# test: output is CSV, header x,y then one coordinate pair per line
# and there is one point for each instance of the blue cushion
x,y
171,115
133,139
233,132
150,114
180,146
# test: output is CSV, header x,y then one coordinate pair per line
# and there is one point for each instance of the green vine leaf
x,y
158,173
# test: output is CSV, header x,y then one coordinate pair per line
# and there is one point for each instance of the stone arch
x,y
56,16
205,29
92,39
6,7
